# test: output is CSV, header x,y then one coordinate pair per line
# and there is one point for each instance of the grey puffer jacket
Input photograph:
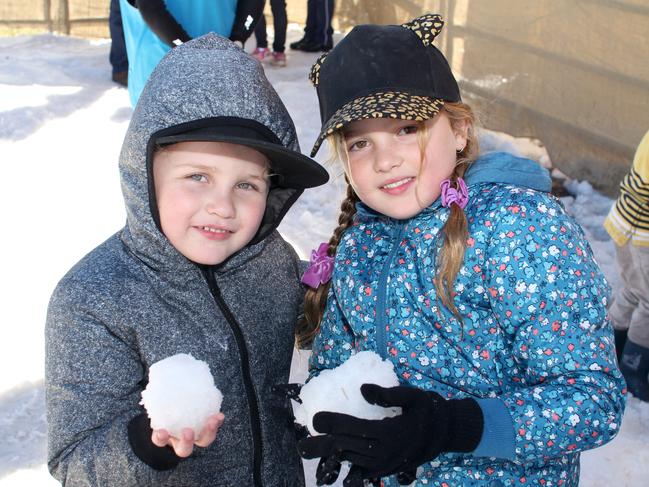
x,y
135,300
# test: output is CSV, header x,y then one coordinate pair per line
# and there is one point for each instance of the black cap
x,y
383,71
291,169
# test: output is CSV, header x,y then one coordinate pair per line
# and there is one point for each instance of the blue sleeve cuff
x,y
498,434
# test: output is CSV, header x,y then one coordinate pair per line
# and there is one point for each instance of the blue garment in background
x,y
145,49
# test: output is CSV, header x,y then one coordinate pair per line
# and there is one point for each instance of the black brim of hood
x,y
291,168
293,171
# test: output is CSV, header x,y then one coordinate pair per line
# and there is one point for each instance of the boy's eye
x,y
247,186
197,177
408,129
359,144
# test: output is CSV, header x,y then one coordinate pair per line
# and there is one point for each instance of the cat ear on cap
x,y
427,27
314,75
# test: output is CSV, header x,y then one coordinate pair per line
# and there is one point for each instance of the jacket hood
x,y
505,168
209,78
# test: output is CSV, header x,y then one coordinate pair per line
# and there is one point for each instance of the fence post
x,y
61,13
65,16
47,14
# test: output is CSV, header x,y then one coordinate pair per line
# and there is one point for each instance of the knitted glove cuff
x,y
466,426
139,436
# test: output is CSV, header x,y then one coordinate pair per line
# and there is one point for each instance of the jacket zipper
x,y
381,317
253,404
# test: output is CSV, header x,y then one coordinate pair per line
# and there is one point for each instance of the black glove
x,y
428,426
163,24
139,437
329,468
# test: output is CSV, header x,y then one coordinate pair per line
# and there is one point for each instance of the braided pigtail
x,y
455,231
451,255
316,299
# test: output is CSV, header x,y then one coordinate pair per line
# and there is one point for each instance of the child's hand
x,y
184,446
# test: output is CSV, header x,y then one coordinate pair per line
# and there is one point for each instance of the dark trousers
x,y
318,22
278,8
117,56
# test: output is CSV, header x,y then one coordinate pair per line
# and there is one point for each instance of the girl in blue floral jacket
x,y
464,272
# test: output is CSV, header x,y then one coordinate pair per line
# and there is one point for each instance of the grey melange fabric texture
x,y
135,300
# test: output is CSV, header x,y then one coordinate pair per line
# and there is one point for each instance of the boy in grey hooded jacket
x,y
136,299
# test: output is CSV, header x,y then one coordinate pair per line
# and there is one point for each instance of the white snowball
x,y
339,390
180,394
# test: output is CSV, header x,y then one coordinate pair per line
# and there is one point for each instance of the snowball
x,y
339,390
180,394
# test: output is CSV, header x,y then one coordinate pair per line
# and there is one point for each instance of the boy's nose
x,y
221,206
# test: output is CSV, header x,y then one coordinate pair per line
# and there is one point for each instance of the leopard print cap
x,y
387,104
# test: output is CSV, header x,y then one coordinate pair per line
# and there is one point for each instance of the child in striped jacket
x,y
628,225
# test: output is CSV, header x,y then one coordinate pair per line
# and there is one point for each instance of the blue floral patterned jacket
x,y
535,347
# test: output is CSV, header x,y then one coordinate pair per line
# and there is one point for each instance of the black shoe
x,y
297,45
121,78
634,366
315,47
620,341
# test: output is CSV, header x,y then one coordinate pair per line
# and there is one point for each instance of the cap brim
x,y
387,104
295,169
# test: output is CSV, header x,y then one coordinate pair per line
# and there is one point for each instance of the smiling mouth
x,y
396,184
214,230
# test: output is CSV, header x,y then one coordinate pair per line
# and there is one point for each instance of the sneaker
x,y
278,59
260,53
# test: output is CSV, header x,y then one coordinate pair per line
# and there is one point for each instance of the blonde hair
x,y
454,232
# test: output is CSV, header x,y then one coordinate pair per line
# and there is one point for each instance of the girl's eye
x,y
408,129
358,145
197,177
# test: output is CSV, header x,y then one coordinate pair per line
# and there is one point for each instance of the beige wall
x,y
573,73
568,72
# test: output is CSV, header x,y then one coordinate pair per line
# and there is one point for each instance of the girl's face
x,y
211,197
386,167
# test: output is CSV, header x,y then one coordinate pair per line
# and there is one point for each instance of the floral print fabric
x,y
534,331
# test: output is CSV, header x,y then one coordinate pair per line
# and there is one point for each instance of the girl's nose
x,y
386,159
220,205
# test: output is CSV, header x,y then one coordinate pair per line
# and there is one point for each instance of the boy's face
x,y
211,197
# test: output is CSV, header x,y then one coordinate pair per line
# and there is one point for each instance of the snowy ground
x,y
61,125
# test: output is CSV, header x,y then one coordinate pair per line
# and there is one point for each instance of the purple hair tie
x,y
458,194
321,265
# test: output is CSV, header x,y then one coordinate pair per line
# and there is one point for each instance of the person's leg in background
x,y
321,38
624,301
117,56
634,362
310,25
328,13
280,21
261,51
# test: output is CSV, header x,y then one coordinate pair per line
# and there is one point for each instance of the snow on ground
x,y
61,125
